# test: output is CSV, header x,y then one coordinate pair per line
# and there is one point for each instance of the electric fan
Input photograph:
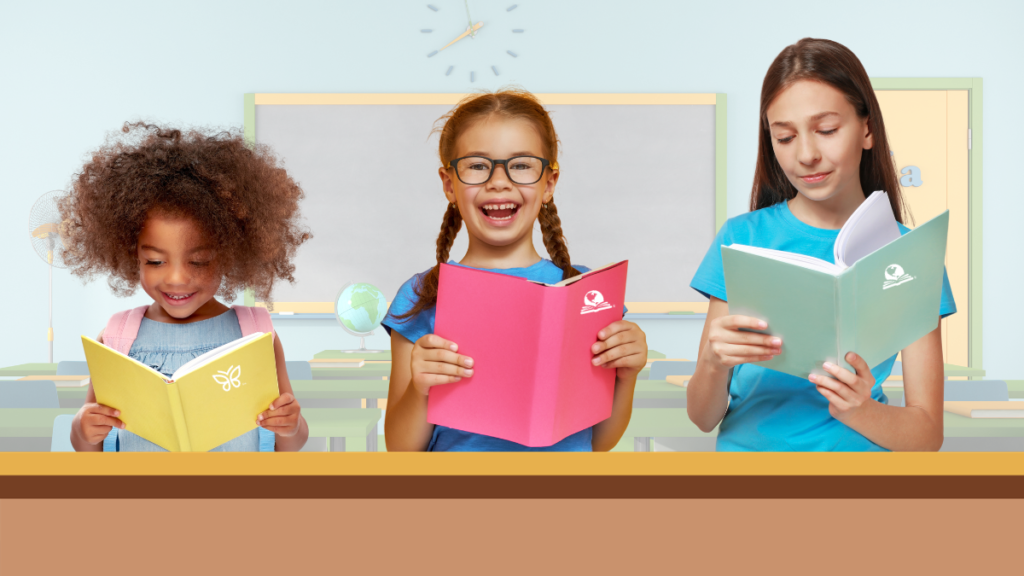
x,y
44,231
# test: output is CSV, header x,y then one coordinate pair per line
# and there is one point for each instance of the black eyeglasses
x,y
522,170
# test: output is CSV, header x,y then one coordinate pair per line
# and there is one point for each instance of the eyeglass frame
x,y
545,164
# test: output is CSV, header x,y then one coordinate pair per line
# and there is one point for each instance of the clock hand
x,y
470,30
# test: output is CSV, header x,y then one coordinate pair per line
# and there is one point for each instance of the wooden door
x,y
928,136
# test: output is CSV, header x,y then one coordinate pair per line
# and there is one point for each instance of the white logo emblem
x,y
894,276
593,301
229,377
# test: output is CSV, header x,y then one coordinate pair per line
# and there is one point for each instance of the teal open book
x,y
881,294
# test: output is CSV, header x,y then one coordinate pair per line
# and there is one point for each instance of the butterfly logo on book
x,y
229,377
894,276
593,301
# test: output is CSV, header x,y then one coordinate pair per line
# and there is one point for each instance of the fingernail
x,y
457,378
776,341
469,372
776,351
596,361
455,347
259,418
469,362
600,334
271,407
828,366
813,377
122,425
762,324
117,412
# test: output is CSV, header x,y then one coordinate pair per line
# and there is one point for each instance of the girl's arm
x,y
284,416
406,427
916,427
93,421
722,347
431,361
622,347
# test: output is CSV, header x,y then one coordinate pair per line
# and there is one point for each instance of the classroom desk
x,y
32,369
959,504
347,429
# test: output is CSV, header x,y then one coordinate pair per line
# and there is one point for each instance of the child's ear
x,y
549,190
869,138
446,183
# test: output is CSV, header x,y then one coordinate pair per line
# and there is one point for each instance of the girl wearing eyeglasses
x,y
499,169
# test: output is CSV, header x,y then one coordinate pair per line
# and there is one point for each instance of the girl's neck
x,y
211,309
521,254
829,214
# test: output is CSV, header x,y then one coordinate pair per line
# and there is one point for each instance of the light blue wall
x,y
72,71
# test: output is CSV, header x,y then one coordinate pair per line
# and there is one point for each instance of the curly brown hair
x,y
237,193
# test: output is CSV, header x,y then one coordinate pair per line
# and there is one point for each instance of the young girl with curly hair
x,y
188,216
499,168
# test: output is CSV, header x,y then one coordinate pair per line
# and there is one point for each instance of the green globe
x,y
360,308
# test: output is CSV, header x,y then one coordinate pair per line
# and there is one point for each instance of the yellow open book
x,y
205,403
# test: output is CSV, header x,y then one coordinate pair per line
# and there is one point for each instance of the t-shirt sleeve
x,y
710,278
413,327
947,306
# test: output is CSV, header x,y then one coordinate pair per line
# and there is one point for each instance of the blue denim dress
x,y
166,347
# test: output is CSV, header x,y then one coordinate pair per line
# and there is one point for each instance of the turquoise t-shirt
x,y
447,439
769,410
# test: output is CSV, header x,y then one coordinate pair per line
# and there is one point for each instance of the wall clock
x,y
461,39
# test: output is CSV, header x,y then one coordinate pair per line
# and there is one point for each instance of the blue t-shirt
x,y
447,439
769,410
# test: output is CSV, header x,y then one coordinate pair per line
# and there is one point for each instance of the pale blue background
x,y
73,70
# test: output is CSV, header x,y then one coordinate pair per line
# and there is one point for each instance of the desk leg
x,y
336,444
641,444
371,441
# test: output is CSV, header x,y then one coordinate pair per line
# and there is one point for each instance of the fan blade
x,y
46,230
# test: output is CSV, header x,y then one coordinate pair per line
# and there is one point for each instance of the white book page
x,y
801,260
198,361
871,226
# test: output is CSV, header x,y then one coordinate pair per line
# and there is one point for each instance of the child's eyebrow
x,y
814,118
151,248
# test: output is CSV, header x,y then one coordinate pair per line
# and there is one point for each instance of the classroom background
x,y
74,71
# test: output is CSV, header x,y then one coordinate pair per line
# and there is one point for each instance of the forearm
x,y
707,394
406,427
606,434
898,429
79,443
295,442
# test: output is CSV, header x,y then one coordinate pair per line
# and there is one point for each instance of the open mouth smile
x,y
499,213
178,299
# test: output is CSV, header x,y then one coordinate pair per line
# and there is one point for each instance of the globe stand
x,y
362,346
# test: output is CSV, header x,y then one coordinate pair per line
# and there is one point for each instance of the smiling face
x,y
818,140
499,213
178,268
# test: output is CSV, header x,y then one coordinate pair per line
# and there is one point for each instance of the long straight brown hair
x,y
509,104
833,64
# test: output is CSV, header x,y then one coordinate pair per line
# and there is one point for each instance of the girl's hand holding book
x,y
97,420
436,361
622,345
846,391
282,417
730,346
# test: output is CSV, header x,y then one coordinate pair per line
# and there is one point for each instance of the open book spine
x,y
846,317
546,381
184,444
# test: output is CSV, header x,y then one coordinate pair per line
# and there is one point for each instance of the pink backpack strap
x,y
122,329
252,319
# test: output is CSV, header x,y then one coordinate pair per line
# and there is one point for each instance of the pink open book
x,y
533,381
